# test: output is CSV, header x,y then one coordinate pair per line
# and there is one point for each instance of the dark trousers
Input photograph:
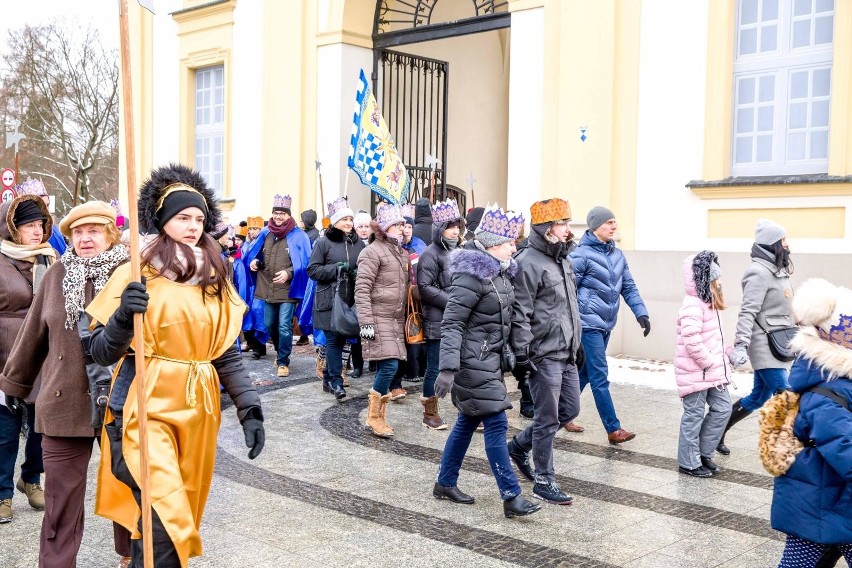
x,y
357,356
433,359
10,437
66,462
333,373
411,367
255,345
495,448
556,393
801,553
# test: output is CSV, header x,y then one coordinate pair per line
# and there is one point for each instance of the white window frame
x,y
780,63
209,145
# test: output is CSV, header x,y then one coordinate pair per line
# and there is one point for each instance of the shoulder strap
x,y
828,393
500,301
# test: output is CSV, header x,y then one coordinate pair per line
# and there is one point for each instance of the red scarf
x,y
280,231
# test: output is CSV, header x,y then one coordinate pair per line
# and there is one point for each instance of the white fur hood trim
x,y
835,359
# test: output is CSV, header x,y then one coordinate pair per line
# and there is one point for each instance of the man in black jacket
x,y
423,220
309,221
546,339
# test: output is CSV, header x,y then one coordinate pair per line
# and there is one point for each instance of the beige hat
x,y
96,212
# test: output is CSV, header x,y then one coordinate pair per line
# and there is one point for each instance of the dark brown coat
x,y
380,297
276,256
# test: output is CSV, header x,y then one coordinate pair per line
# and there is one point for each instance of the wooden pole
x,y
136,273
17,174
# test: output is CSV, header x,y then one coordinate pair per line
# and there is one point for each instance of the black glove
x,y
523,367
342,267
255,436
134,300
15,404
580,357
444,383
645,323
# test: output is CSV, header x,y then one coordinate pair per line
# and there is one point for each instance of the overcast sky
x,y
101,14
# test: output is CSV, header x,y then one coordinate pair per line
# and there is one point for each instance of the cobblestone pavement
x,y
325,493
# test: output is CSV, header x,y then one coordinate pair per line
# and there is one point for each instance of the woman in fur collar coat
x,y
812,501
474,331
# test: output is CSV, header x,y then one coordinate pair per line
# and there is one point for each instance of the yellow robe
x,y
183,334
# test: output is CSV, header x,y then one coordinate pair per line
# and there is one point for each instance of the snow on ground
x,y
660,374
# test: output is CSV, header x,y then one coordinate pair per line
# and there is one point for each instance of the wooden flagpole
x,y
136,273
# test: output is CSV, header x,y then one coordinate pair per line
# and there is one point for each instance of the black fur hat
x,y
705,269
160,178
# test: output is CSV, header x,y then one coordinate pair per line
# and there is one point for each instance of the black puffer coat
x,y
473,334
423,220
333,247
433,280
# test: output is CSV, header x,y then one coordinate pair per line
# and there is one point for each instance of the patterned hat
x,y
388,215
281,203
820,305
339,209
32,187
446,212
120,220
550,210
498,226
407,210
221,230
255,222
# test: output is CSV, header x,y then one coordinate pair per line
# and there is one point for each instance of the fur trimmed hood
x,y
478,263
335,235
9,232
832,358
160,178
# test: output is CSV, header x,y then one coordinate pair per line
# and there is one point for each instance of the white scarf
x,y
30,253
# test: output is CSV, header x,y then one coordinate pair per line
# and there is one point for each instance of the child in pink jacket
x,y
701,367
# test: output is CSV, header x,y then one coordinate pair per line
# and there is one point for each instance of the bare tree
x,y
61,85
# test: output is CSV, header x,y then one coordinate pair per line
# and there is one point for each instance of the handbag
x,y
779,341
507,356
414,321
344,320
100,378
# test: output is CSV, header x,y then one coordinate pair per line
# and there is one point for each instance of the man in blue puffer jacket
x,y
602,277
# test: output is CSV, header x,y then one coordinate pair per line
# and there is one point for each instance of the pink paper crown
x,y
388,215
280,201
505,224
32,187
446,211
337,205
120,220
407,210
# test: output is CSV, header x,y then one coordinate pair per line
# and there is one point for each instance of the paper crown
x,y
550,210
242,231
407,210
255,222
506,224
337,205
33,186
120,219
446,211
388,215
281,202
826,307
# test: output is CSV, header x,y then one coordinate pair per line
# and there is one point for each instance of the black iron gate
x,y
412,93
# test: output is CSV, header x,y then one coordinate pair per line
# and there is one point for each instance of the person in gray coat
x,y
546,339
766,306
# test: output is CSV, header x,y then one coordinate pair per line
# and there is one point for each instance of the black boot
x,y
517,506
451,493
521,459
737,414
710,464
527,406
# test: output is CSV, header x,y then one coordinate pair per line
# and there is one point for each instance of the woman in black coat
x,y
335,253
474,329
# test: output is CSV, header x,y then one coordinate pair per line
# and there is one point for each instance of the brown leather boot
x,y
575,428
376,415
431,418
620,436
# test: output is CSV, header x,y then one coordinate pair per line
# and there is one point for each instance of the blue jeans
x,y
333,373
279,322
495,448
385,372
10,435
433,356
596,373
766,382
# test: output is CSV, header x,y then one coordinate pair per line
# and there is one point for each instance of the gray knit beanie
x,y
598,216
489,240
768,233
715,271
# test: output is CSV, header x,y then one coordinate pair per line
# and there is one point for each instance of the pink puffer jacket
x,y
700,362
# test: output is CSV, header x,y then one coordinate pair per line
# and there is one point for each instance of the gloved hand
x,y
255,436
645,323
134,300
738,356
15,404
523,367
444,383
342,267
368,332
580,357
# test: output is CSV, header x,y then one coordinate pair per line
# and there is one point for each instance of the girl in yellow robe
x,y
192,318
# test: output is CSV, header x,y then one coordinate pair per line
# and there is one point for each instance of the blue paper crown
x,y
337,205
33,186
284,201
503,223
446,211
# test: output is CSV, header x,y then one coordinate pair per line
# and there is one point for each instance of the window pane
x,y
743,154
825,5
798,115
748,41
748,12
764,149
768,38
821,86
765,118
819,114
824,30
767,88
802,7
799,85
745,91
801,33
745,120
769,10
796,146
819,144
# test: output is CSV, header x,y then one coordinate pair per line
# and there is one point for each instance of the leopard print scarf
x,y
78,270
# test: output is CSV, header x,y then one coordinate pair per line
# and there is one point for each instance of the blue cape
x,y
300,255
57,241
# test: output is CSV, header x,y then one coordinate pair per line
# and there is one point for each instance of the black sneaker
x,y
551,493
527,411
521,459
700,471
710,464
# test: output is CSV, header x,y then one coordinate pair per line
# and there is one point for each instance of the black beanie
x,y
27,212
177,202
309,218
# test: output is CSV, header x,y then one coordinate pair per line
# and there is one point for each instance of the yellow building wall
x,y
801,222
